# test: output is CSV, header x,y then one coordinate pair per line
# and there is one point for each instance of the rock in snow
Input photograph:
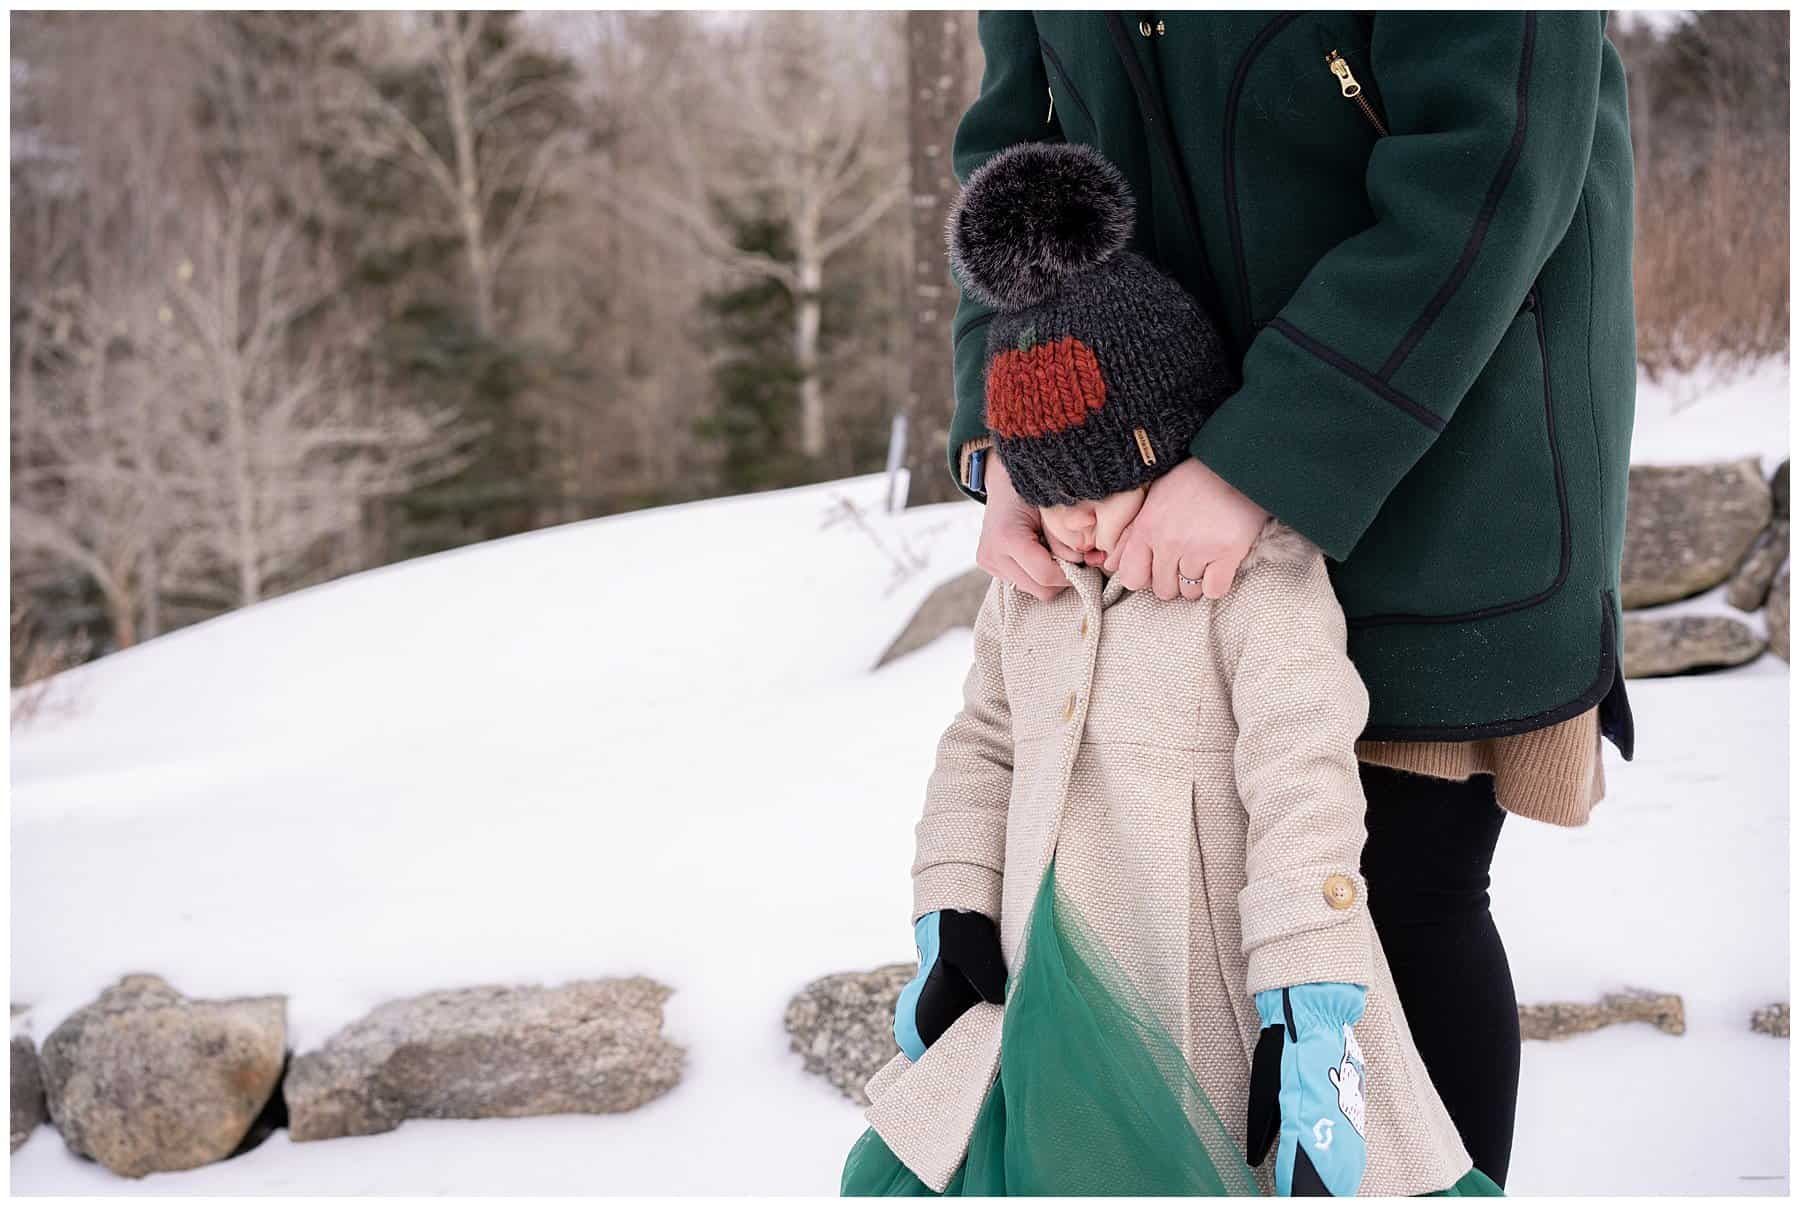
x,y
843,1025
588,1047
145,1080
952,604
1559,1020
1670,645
1777,614
27,1091
1750,585
1688,526
1771,1020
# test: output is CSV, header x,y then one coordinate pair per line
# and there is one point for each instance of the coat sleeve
x,y
1299,706
1012,107
1491,118
961,849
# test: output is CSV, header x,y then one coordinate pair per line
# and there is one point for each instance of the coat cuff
x,y
1299,927
960,855
964,886
1312,443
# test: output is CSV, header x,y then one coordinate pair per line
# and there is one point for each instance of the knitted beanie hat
x,y
1100,369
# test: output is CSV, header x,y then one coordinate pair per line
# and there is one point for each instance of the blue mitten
x,y
960,963
1306,1089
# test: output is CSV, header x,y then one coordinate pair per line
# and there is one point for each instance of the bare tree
x,y
793,120
203,441
98,207
616,307
195,419
490,186
91,491
281,448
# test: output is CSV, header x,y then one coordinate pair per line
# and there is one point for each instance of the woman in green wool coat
x,y
1414,232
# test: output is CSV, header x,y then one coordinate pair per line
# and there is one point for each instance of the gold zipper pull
x,y
1353,91
1048,116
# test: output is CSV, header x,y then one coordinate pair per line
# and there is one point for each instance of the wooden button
x,y
1069,708
1340,891
1084,626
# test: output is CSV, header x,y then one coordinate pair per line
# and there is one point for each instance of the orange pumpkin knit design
x,y
1047,388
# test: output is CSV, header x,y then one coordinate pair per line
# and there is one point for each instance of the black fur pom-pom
x,y
1035,216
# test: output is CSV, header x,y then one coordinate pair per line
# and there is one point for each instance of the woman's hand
x,y
1009,548
1092,528
1194,526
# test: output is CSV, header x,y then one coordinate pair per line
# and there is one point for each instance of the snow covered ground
x,y
652,744
1712,415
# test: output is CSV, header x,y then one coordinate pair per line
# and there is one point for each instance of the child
x,y
1147,812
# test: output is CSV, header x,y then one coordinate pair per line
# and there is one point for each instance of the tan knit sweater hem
x,y
1551,775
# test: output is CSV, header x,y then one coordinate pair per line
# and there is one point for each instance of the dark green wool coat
x,y
1433,325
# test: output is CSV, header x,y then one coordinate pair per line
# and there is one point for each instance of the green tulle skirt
x,y
1093,1098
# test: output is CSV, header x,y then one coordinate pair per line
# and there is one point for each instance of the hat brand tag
x,y
1144,449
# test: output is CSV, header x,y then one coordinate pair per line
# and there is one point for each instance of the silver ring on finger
x,y
1186,581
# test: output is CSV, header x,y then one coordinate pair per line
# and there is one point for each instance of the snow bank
x,y
1708,415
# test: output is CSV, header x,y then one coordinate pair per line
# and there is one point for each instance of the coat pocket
x,y
1480,527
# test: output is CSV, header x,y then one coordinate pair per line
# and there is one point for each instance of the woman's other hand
x,y
1009,548
1187,541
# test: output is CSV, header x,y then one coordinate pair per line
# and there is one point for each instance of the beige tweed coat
x,y
1191,766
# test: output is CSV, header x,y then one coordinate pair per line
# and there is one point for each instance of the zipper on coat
x,y
1156,122
1351,90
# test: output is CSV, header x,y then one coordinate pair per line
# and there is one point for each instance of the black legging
x,y
1430,845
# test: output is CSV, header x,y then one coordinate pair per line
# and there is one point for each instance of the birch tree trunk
x,y
241,471
808,313
823,170
453,68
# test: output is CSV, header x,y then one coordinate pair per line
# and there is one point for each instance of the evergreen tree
x,y
755,422
440,165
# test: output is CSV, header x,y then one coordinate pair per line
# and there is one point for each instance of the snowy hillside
x,y
652,744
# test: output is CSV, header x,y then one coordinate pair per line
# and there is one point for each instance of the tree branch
x,y
857,226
